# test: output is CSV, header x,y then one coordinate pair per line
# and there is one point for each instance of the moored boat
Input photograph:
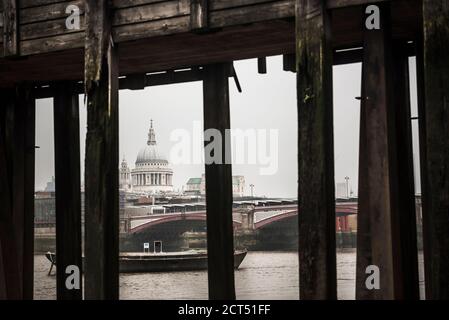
x,y
134,262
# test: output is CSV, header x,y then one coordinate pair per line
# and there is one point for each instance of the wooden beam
x,y
262,65
10,28
355,55
386,232
436,144
199,15
317,257
220,241
68,189
102,160
338,4
289,62
136,82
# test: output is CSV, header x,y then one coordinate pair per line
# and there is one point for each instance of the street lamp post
x,y
347,186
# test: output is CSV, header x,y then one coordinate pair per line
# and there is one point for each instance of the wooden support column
x,y
374,230
316,195
220,241
18,131
405,247
436,147
10,28
28,103
10,255
386,232
18,183
102,159
68,196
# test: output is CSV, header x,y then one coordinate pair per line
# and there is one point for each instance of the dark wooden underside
x,y
265,38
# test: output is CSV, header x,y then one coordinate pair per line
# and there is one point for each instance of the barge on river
x,y
134,262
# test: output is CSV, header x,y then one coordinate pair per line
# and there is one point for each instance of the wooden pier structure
x,y
132,44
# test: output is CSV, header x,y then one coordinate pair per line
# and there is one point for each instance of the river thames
x,y
262,275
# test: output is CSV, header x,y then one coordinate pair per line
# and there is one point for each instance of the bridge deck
x,y
156,35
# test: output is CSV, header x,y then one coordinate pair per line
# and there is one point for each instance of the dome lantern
x,y
151,135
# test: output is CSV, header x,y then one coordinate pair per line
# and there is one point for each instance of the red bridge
x,y
250,219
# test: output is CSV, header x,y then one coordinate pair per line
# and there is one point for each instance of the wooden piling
x,y
374,231
317,257
386,232
436,147
68,196
405,247
102,159
18,181
220,241
17,221
10,255
26,98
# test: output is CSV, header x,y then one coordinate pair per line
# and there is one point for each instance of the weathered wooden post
x,y
10,255
436,147
317,257
220,241
68,191
28,103
405,244
17,220
386,232
102,159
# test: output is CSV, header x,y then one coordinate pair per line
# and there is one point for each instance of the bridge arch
x,y
340,210
169,218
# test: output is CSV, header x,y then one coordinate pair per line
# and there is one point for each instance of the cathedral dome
x,y
150,154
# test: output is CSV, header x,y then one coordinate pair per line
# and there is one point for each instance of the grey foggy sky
x,y
267,102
